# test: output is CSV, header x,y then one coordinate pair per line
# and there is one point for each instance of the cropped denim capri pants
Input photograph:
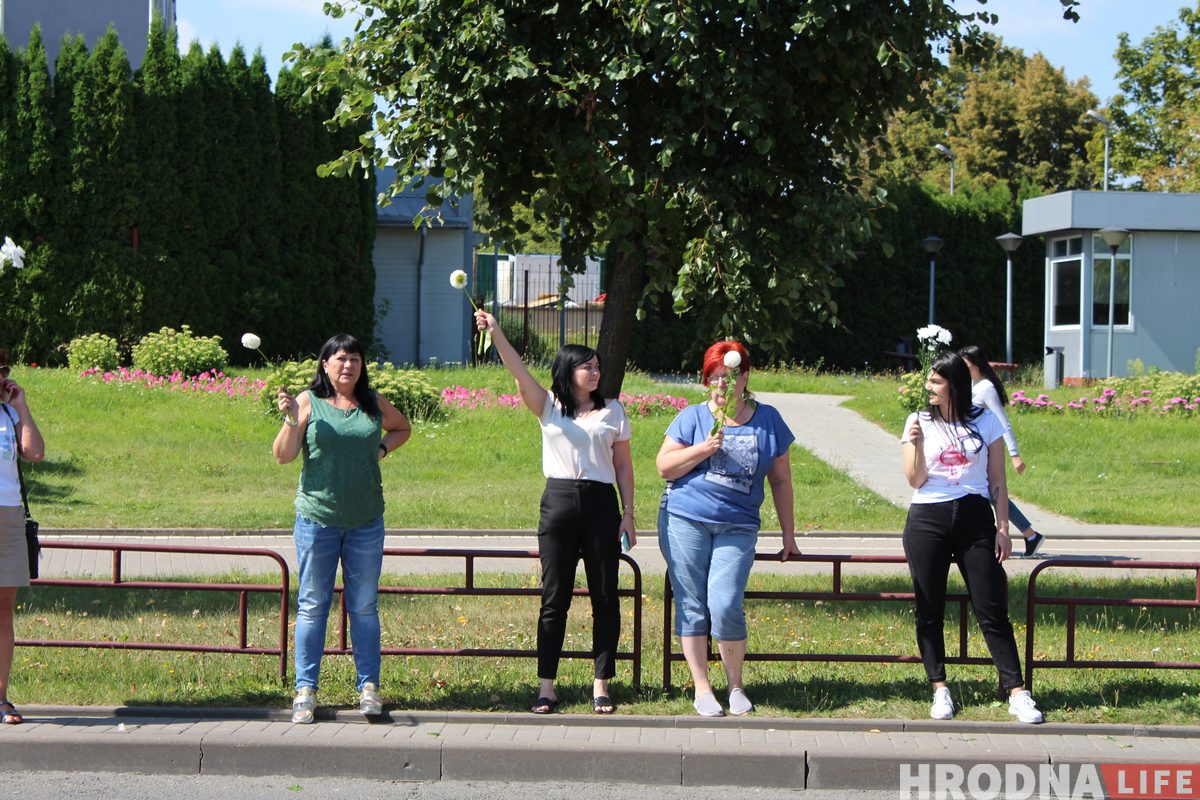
x,y
709,564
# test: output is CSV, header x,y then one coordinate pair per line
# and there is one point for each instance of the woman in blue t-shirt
x,y
709,518
954,460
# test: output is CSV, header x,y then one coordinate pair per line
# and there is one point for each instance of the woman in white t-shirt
x,y
954,459
586,461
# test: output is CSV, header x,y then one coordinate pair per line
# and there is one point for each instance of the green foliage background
x,y
184,193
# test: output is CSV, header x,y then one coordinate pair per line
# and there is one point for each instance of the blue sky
x,y
1082,49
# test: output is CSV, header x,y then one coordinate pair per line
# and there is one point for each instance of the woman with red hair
x,y
715,458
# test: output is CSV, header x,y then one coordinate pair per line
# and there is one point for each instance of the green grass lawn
x,y
1132,470
123,456
112,677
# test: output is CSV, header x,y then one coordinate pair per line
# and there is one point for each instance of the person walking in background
x,y
954,461
988,391
19,438
344,429
709,517
585,453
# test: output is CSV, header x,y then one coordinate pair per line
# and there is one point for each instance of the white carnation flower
x,y
458,279
12,253
250,341
733,359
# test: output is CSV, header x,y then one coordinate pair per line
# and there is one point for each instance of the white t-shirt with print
x,y
581,447
955,460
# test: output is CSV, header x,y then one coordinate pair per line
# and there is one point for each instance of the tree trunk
x,y
625,283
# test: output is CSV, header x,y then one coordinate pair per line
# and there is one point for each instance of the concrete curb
x,y
430,746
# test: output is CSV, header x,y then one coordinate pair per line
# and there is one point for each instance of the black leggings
x,y
962,530
579,518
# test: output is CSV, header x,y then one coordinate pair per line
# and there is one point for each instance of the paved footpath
x,y
778,753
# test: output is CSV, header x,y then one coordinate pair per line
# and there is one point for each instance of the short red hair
x,y
714,358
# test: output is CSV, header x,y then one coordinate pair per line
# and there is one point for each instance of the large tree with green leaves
x,y
1007,117
1156,115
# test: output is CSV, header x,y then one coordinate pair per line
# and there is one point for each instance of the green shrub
x,y
94,351
170,351
408,390
1163,386
909,395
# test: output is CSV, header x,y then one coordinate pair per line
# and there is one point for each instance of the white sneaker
x,y
304,707
943,704
370,704
1021,706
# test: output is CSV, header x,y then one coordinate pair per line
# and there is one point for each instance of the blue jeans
x,y
360,551
709,564
1016,520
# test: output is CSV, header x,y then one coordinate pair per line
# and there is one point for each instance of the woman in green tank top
x,y
343,429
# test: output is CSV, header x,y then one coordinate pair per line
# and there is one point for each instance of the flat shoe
x,y
544,705
706,705
603,705
739,704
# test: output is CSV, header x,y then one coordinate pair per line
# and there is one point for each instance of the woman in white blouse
x,y
586,461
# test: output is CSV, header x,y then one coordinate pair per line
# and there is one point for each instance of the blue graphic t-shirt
x,y
729,486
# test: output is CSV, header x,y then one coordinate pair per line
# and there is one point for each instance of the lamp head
x,y
944,150
1009,241
1094,115
1114,237
932,244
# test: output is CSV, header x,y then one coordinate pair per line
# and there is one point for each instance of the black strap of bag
x,y
31,527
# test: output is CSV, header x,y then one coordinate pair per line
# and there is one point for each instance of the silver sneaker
x,y
943,704
304,707
370,704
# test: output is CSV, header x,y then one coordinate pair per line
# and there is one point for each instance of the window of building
x,y
1066,271
1101,264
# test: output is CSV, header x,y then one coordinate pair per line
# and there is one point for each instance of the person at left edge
x,y
344,429
19,438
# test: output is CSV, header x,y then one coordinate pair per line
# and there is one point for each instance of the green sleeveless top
x,y
340,485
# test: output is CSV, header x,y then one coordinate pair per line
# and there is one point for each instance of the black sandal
x,y
9,714
603,704
544,705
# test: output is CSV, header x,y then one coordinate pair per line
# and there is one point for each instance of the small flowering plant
x,y
733,365
931,339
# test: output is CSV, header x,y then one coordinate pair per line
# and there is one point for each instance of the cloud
x,y
188,33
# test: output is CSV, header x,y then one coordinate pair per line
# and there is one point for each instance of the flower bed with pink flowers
x,y
215,383
1108,403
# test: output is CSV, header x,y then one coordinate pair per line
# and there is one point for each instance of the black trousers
x,y
579,519
962,530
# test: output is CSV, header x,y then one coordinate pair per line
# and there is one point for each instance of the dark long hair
x,y
565,362
950,365
321,386
977,356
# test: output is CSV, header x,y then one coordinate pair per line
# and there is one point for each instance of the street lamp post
x,y
932,245
1095,116
948,153
1009,242
1114,238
